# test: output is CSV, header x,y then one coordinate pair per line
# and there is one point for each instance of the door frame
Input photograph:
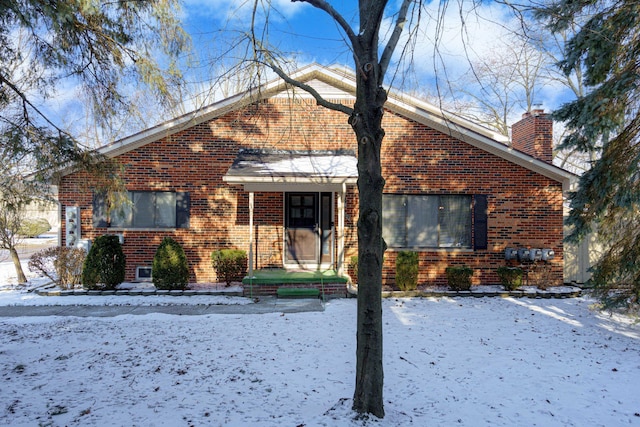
x,y
324,228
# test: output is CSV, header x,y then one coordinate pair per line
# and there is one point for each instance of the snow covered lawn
x,y
467,361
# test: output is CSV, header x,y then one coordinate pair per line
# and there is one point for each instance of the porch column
x,y
251,234
341,208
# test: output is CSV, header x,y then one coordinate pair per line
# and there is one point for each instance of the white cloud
x,y
451,35
239,10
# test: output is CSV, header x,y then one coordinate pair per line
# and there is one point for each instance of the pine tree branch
x,y
26,104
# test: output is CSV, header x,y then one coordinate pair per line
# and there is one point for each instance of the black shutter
x,y
183,205
99,210
480,214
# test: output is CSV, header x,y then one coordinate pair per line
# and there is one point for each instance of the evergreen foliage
x,y
510,277
459,277
105,264
170,269
101,46
606,121
407,270
230,264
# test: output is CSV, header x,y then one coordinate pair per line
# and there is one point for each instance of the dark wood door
x,y
301,223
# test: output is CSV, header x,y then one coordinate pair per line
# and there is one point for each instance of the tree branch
x,y
26,104
319,99
385,59
327,8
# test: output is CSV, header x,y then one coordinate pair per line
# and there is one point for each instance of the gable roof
x,y
335,84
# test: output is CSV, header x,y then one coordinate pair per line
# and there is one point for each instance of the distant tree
x,y
14,199
606,119
504,84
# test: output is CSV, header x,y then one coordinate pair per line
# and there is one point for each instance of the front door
x,y
308,228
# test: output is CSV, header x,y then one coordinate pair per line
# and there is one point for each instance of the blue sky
x,y
308,33
298,29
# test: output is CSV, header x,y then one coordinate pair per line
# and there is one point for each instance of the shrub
x,y
353,267
34,227
407,270
510,277
170,269
230,264
63,265
459,277
104,265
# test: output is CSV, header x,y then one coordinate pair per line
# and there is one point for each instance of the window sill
x,y
118,229
420,249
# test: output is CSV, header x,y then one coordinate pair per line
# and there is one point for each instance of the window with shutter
x,y
426,221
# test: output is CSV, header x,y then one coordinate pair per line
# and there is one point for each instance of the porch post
x,y
341,208
251,234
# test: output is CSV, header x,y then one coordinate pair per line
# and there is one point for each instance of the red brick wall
x,y
525,209
534,135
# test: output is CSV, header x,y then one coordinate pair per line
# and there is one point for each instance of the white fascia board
x,y
173,126
281,184
442,119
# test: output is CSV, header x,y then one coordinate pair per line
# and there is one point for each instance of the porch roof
x,y
293,170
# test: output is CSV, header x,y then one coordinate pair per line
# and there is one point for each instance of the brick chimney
x,y
533,135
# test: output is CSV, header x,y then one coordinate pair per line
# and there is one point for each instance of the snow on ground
x,y
26,295
465,361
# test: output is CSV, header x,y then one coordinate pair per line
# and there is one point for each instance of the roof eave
x,y
411,107
290,183
482,138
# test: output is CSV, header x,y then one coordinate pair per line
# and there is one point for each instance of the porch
x,y
328,283
314,188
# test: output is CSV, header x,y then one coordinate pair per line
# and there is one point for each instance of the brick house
x,y
271,172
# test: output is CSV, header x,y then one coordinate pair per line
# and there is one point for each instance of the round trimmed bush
x,y
230,264
459,277
34,227
105,264
510,277
170,269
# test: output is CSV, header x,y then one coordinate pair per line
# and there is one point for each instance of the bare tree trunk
x,y
16,262
366,121
367,124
